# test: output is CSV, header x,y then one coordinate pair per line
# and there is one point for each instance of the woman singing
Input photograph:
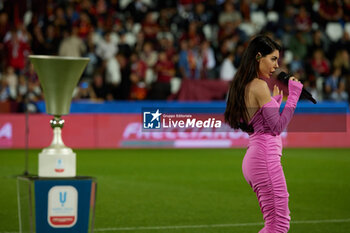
x,y
251,108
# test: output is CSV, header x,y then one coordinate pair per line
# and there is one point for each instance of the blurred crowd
x,y
142,49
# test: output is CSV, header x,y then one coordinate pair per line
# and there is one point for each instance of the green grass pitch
x,y
195,190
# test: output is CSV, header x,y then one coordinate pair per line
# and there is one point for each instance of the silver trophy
x,y
58,77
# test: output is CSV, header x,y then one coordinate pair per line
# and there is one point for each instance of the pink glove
x,y
270,111
278,98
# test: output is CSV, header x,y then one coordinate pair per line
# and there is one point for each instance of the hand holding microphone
x,y
284,78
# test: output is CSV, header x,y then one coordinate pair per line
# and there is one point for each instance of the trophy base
x,y
56,205
57,162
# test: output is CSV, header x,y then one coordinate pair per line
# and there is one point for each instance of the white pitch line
x,y
177,227
208,226
216,225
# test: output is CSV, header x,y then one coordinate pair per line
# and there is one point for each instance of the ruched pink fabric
x,y
261,165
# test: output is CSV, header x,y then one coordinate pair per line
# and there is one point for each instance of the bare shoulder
x,y
261,91
259,83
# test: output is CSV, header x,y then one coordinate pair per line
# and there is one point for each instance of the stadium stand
x,y
154,50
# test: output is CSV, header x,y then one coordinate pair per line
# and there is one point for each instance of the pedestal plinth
x,y
56,205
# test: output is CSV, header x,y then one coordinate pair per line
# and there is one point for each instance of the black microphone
x,y
284,78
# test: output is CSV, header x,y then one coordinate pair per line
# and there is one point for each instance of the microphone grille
x,y
282,75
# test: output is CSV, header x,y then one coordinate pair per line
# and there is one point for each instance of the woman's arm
x,y
270,109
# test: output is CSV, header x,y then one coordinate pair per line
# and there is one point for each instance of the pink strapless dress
x,y
261,165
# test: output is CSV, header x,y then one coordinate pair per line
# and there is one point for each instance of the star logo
x,y
156,115
151,119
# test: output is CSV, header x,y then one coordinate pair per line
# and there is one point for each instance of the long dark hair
x,y
236,114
